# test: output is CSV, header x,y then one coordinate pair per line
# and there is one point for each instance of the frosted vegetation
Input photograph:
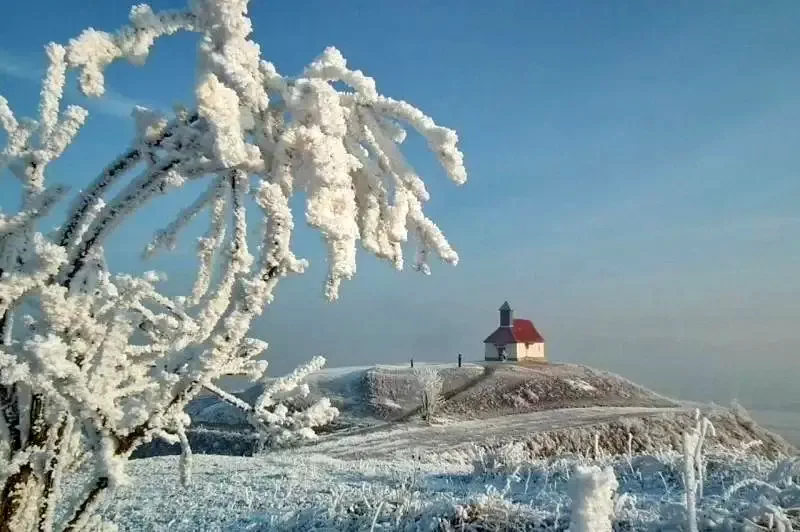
x,y
429,387
92,363
95,364
485,488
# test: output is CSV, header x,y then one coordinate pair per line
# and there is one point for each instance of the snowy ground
x,y
399,440
469,470
432,490
465,475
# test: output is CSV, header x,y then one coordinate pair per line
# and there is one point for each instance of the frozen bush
x,y
429,385
506,459
102,363
592,492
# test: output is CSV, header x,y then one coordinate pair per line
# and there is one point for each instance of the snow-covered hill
x,y
371,395
553,407
550,433
498,457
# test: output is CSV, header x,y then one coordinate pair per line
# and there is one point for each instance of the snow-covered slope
x,y
435,489
371,395
515,389
498,458
554,408
549,433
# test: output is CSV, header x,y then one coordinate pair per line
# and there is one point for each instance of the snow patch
x,y
580,385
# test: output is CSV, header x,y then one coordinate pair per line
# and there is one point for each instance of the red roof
x,y
522,331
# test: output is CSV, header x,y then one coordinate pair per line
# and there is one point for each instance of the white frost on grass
x,y
580,385
306,490
458,437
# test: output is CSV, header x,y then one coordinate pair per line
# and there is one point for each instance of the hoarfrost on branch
x,y
93,364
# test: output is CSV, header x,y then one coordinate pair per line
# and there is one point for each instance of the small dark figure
x,y
459,360
412,362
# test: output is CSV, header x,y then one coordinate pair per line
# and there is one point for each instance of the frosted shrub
x,y
592,492
506,459
94,364
429,384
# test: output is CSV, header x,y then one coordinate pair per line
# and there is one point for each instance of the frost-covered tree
x,y
429,385
94,364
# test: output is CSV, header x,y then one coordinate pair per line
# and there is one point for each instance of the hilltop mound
x,y
552,407
513,389
372,395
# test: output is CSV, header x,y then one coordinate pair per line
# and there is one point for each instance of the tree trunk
x,y
19,493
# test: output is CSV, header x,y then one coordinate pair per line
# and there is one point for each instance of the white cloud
x,y
112,103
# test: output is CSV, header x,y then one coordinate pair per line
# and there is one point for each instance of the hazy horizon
x,y
633,183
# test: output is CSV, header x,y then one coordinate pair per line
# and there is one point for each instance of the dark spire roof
x,y
505,306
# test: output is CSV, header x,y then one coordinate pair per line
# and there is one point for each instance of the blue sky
x,y
633,178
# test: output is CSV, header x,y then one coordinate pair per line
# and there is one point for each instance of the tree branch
x,y
228,398
114,211
12,496
86,508
10,407
51,477
108,177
